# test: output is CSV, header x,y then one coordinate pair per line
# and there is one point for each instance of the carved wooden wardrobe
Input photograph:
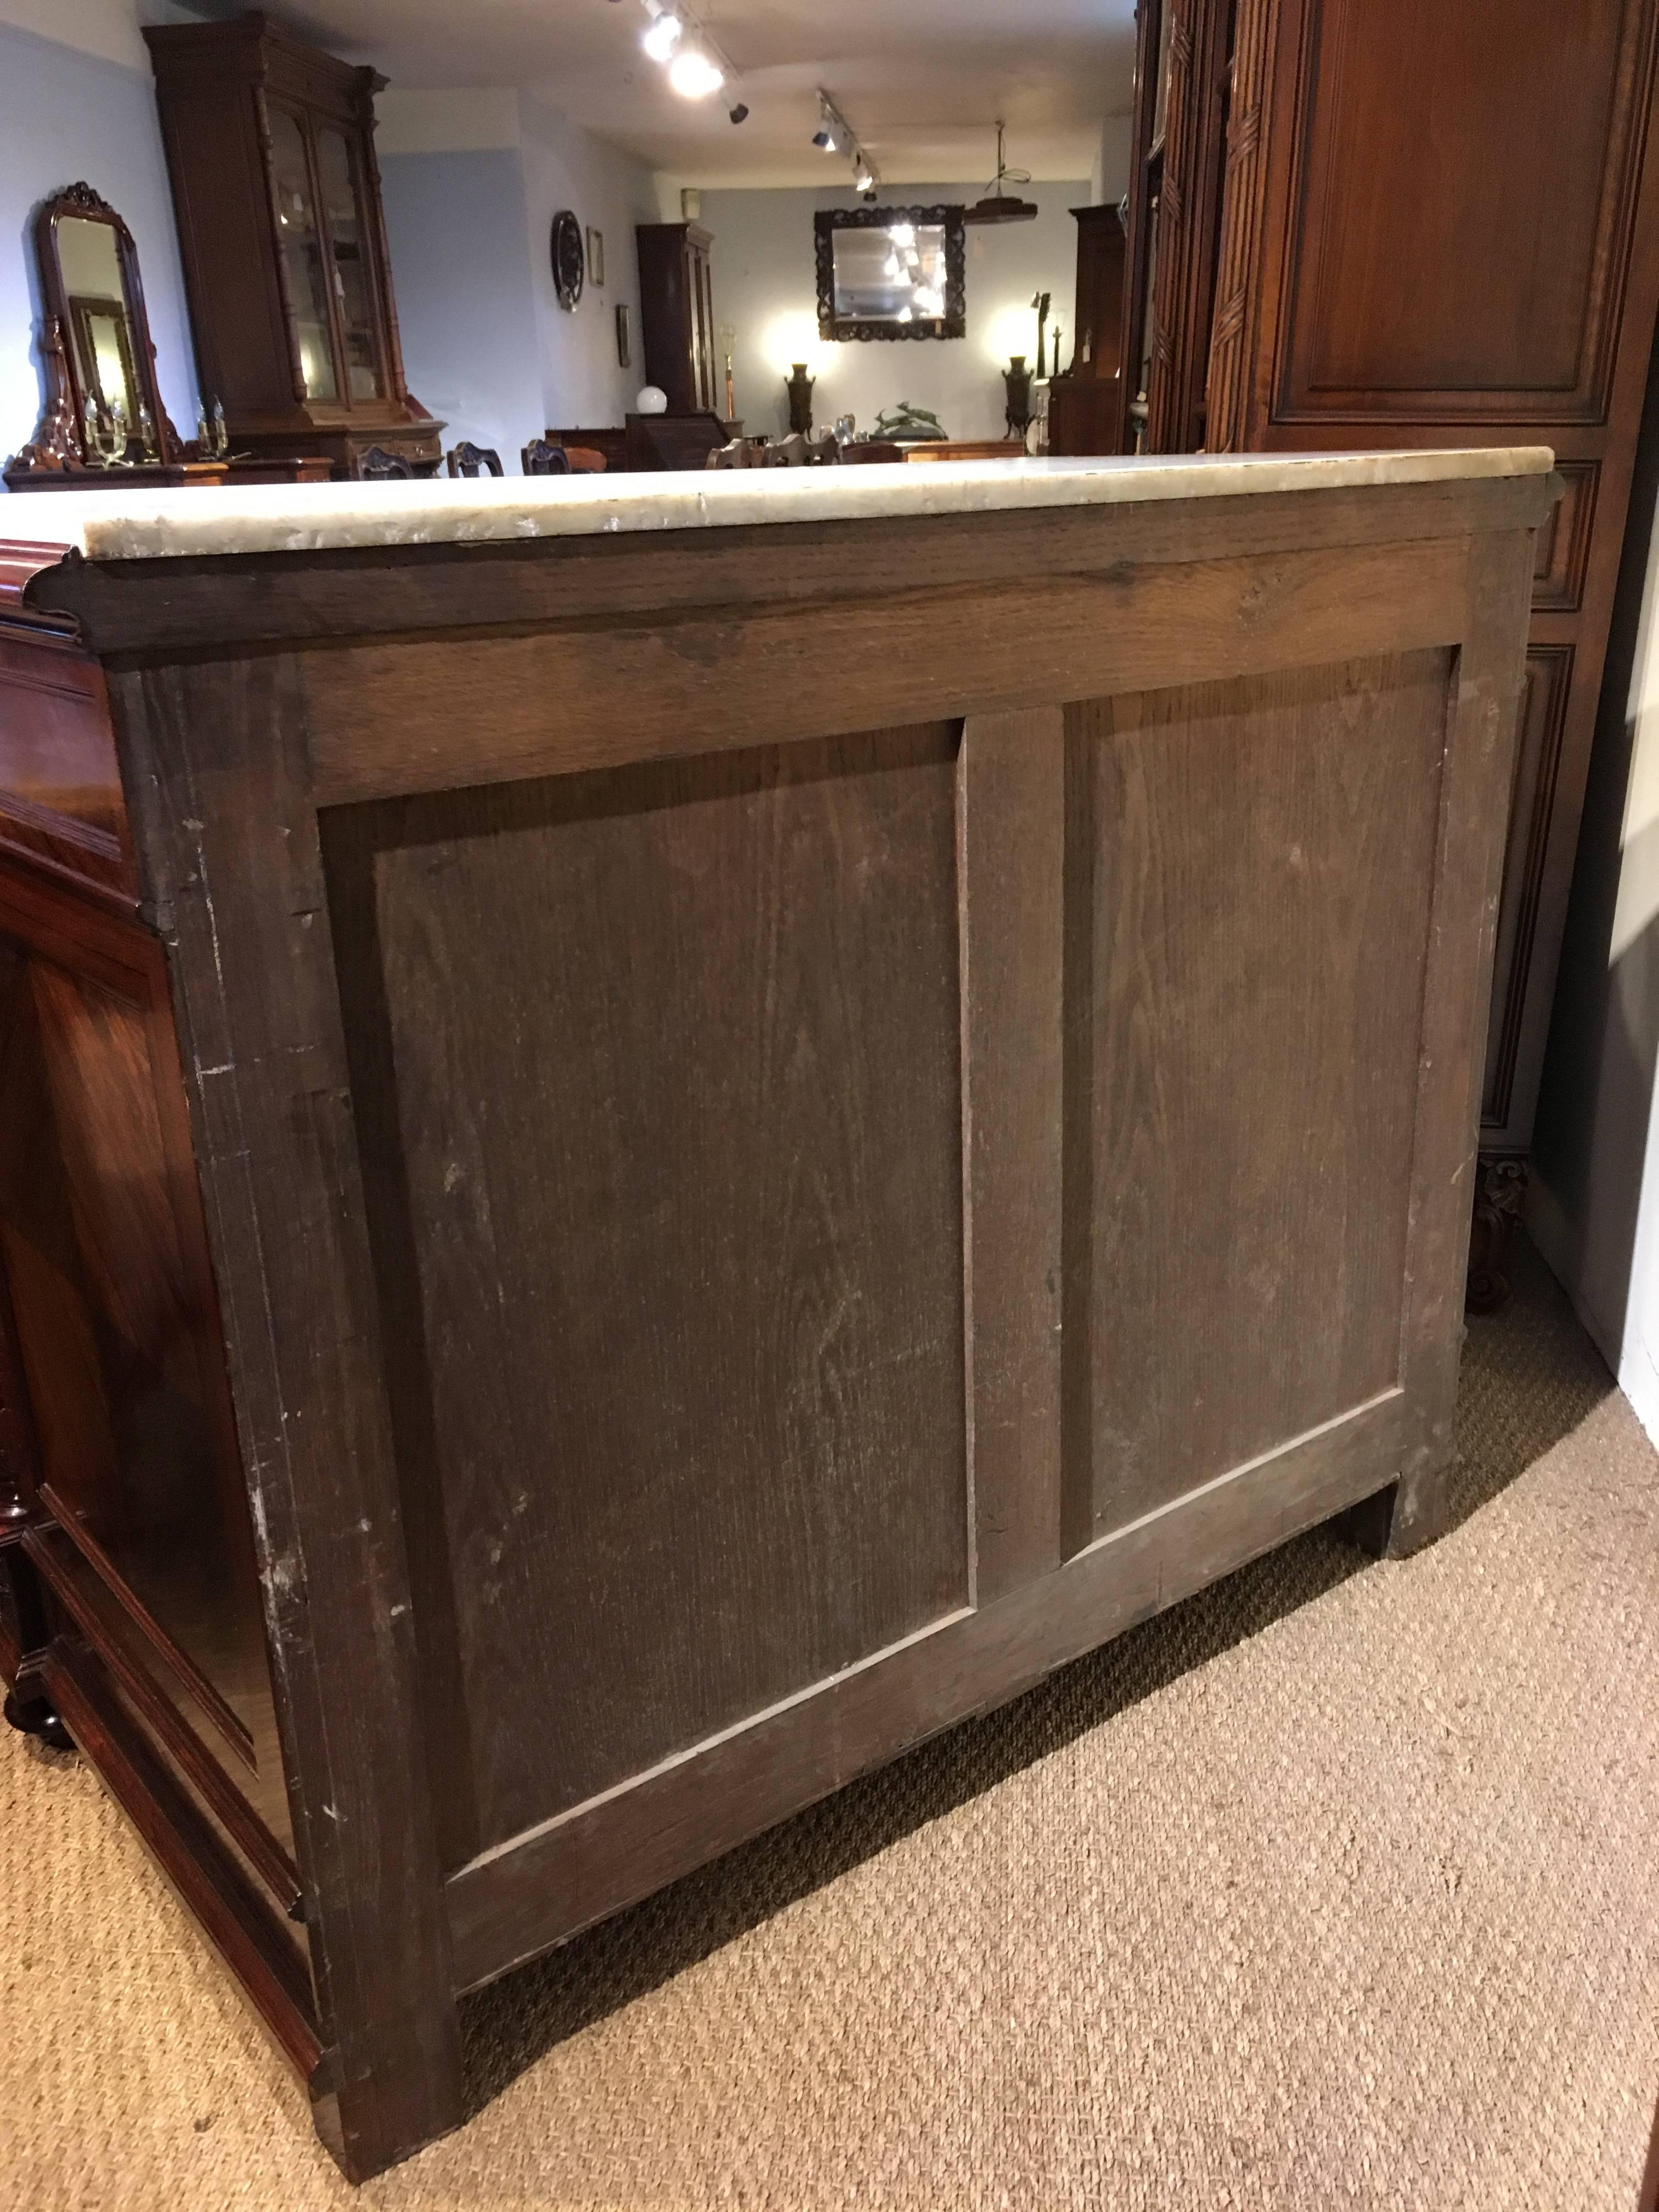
x,y
1418,225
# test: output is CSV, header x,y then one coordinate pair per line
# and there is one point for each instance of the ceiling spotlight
x,y
693,76
835,135
740,112
663,36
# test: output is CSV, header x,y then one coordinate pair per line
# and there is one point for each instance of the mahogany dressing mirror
x,y
103,405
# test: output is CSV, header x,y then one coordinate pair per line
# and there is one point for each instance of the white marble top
x,y
117,525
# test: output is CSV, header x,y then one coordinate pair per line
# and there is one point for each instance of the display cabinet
x,y
1086,402
271,150
677,315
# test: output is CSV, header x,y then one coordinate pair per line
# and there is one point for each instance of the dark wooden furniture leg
x,y
1404,1518
22,1618
28,1706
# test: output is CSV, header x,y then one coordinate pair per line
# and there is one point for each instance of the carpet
x,y
1335,1886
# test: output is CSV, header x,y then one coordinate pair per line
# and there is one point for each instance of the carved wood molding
x,y
952,323
1500,1200
1195,134
56,445
1232,344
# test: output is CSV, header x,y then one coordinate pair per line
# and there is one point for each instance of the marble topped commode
x,y
125,526
682,1153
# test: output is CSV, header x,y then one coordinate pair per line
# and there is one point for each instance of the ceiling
x,y
921,80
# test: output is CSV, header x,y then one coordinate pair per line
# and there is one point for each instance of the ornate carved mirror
x,y
103,405
892,273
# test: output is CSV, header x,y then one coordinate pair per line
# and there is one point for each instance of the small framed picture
x,y
596,259
624,340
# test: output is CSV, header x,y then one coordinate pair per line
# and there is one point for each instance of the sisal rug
x,y
1337,1886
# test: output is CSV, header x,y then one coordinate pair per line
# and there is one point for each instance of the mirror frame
x,y
59,441
953,323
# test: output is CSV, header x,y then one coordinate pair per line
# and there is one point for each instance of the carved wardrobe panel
x,y
1431,227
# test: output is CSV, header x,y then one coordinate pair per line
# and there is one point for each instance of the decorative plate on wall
x,y
569,261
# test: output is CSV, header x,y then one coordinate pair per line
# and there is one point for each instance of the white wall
x,y
77,100
460,271
1594,1205
583,383
765,284
1110,177
472,180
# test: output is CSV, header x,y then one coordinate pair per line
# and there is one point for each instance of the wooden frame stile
x,y
253,695
270,1093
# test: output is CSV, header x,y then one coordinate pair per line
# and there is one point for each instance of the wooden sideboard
x,y
601,1234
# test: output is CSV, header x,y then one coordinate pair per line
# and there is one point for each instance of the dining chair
x,y
467,460
376,465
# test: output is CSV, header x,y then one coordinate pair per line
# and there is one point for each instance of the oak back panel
x,y
674,1149
1249,890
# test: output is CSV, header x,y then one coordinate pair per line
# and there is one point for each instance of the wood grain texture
x,y
150,610
1467,876
685,1187
1188,192
60,809
383,722
1561,560
1013,830
649,1099
118,1325
1252,862
245,1796
1502,284
1519,230
560,1878
1249,253
229,844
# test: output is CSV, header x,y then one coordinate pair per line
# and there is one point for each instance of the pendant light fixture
x,y
999,206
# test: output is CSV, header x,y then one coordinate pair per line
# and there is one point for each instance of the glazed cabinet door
x,y
305,257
